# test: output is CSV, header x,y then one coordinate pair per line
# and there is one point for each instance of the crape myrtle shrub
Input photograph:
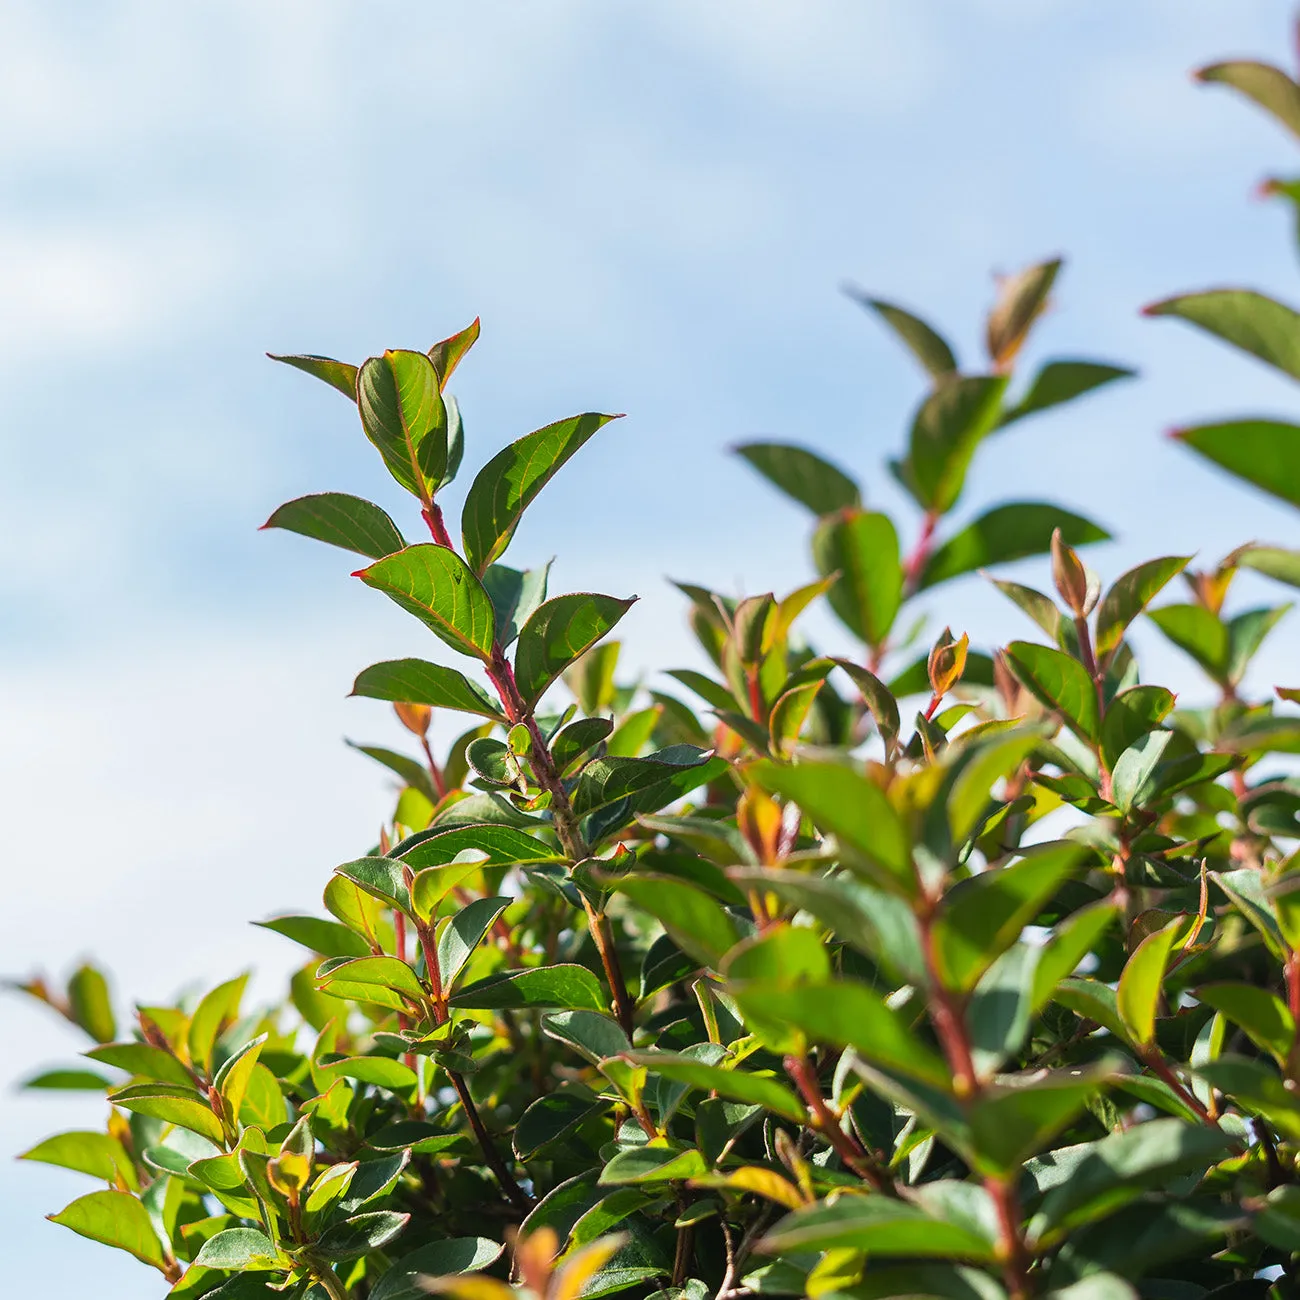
x,y
793,990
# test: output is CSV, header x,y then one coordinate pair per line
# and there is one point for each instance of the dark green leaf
x,y
847,1014
558,633
803,475
328,938
849,805
1132,714
1058,382
1198,632
238,1248
461,935
983,915
1009,532
416,681
561,985
1263,452
697,923
403,414
924,343
412,773
360,1235
862,548
1059,682
507,484
337,374
880,1225
1128,597
341,520
1105,1176
607,780
950,424
515,597
736,1085
549,1119
1248,320
438,1259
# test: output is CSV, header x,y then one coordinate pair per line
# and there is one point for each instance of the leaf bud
x,y
414,717
947,662
1077,587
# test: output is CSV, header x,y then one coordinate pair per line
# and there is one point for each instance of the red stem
x,y
916,561
849,1149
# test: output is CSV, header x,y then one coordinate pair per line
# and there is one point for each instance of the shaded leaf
x,y
802,475
341,520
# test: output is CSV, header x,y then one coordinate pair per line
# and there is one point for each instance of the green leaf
x,y
1198,632
1263,1015
507,484
561,985
1263,452
238,1248
1059,682
1268,86
653,1164
412,773
448,354
549,1119
1132,714
924,343
695,922
1107,1175
328,938
341,520
1273,561
803,475
381,878
114,1219
847,1014
437,586
736,1085
1128,597
438,1259
98,1154
950,424
1147,1236
462,933
1016,1119
877,697
1135,777
982,916
862,548
1246,633
337,374
605,781
215,1011
360,1235
877,924
882,1226
1138,994
1039,607
1009,532
415,681
1257,1088
971,795
591,1034
558,633
515,597
403,414
503,845
381,972
1248,320
1058,382
71,1080
90,1004
850,806
143,1060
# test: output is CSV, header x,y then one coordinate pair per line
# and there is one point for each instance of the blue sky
x,y
652,207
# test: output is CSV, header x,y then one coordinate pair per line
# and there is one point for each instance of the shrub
x,y
800,999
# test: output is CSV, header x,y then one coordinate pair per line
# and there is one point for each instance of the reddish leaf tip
x,y
1176,434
